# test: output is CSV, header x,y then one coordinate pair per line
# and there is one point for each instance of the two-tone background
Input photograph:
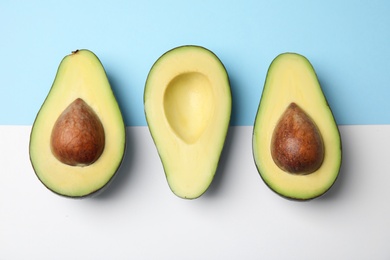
x,y
138,217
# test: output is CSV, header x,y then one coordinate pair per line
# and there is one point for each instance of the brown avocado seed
x,y
77,138
297,146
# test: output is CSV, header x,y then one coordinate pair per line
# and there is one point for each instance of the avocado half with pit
x,y
296,141
78,138
187,104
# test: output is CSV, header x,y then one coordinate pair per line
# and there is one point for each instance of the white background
x,y
138,217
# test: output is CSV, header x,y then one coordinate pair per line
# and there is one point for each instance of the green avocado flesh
x,y
187,103
296,141
78,139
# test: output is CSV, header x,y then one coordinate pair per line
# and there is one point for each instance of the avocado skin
x,y
291,197
98,191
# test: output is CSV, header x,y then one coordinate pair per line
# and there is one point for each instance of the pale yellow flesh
x,y
291,78
188,106
80,75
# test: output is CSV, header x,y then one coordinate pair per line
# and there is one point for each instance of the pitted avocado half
x,y
187,103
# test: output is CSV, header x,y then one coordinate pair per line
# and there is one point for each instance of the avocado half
x,y
296,141
78,138
187,102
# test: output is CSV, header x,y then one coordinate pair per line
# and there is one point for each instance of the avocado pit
x,y
297,146
77,138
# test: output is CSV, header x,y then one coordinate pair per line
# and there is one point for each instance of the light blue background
x,y
348,43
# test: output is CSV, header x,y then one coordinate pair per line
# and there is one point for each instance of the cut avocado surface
x,y
187,102
296,141
78,138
